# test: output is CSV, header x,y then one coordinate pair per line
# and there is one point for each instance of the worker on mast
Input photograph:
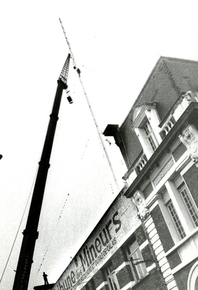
x,y
78,70
45,279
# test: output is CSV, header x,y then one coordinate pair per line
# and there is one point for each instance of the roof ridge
x,y
154,71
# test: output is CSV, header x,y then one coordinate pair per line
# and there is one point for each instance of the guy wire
x,y
47,248
89,105
13,244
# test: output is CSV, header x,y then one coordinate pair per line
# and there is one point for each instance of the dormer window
x,y
145,125
150,135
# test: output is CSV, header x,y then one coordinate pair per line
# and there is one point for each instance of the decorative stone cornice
x,y
189,115
189,138
139,116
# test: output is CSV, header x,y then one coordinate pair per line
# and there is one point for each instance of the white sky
x,y
116,44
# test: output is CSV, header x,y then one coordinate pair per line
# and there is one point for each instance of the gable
x,y
169,78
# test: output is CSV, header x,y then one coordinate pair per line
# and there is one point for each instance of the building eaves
x,y
191,113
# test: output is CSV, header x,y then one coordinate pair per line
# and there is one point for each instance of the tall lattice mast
x,y
30,233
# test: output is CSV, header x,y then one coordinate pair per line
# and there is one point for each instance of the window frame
x,y
147,114
188,200
136,261
175,220
149,134
172,197
111,277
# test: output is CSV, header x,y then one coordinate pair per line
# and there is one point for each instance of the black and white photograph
x,y
99,145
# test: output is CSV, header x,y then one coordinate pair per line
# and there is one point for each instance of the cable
x,y
47,249
16,234
85,149
89,105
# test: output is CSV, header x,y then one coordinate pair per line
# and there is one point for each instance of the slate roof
x,y
168,80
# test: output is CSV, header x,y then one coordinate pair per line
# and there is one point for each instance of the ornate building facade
x,y
148,238
159,143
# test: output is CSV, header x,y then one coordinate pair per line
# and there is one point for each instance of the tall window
x,y
182,211
137,264
112,279
176,220
150,135
189,203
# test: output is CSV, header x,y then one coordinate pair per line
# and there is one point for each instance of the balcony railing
x,y
168,125
177,110
141,163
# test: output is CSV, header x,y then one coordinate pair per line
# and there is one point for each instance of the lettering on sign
x,y
91,255
102,243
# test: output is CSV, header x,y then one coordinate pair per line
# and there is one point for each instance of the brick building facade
x,y
117,254
159,143
148,238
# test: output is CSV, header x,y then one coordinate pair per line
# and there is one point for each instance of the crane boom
x,y
30,234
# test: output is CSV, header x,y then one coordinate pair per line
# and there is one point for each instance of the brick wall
x,y
152,281
118,258
98,278
182,277
174,259
147,256
179,151
191,179
124,276
162,229
140,235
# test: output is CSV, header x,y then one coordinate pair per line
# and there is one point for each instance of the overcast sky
x,y
116,44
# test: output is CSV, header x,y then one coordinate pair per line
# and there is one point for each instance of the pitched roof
x,y
169,78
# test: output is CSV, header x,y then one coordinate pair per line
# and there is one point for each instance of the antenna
x,y
65,70
89,105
